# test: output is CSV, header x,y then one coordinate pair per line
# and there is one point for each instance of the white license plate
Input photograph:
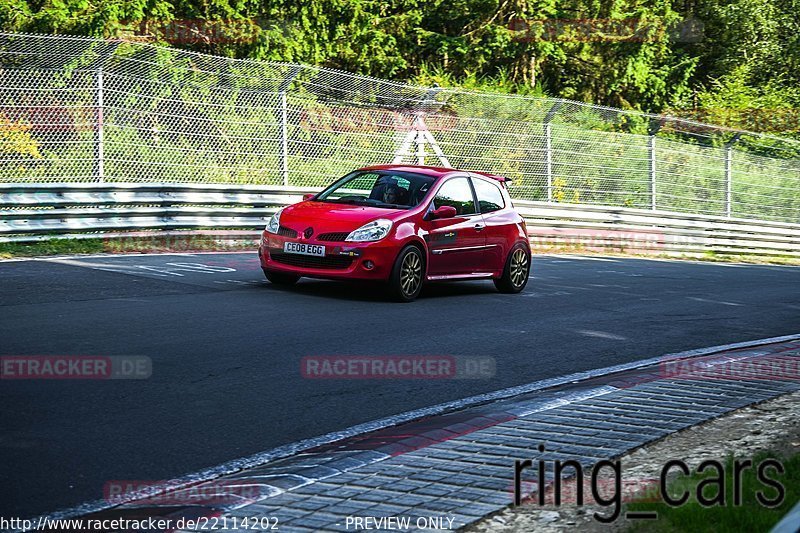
x,y
304,249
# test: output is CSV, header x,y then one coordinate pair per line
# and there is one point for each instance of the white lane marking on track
x,y
165,270
200,267
75,262
720,302
117,269
629,274
133,254
601,334
588,258
159,270
539,294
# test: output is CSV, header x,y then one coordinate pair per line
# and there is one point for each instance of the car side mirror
x,y
308,196
446,211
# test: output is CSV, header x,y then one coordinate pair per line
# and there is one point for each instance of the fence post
x,y
284,119
652,131
548,159
548,147
99,170
420,147
729,174
428,102
652,171
284,140
106,52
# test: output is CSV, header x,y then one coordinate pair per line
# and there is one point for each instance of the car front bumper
x,y
343,260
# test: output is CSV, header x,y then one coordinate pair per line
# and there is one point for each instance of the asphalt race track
x,y
226,349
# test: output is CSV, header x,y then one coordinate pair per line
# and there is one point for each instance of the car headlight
x,y
274,222
372,231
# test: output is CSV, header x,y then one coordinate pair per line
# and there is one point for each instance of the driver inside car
x,y
394,195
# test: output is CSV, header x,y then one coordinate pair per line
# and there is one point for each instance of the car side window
x,y
490,198
456,193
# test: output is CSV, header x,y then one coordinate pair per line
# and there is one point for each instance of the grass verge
x,y
712,257
750,516
10,250
190,243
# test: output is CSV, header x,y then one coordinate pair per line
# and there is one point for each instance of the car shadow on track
x,y
375,292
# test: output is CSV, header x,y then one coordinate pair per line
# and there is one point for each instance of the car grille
x,y
333,237
283,231
333,262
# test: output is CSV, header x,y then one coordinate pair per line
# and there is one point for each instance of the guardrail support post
x,y
284,121
99,169
729,174
548,147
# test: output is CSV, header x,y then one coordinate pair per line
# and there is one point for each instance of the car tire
x,y
279,278
408,273
516,270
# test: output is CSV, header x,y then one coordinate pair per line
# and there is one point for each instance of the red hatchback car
x,y
403,225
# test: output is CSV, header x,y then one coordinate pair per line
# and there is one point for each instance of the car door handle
x,y
479,227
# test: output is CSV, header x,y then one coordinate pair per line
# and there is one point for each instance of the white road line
x,y
601,334
706,300
115,256
592,258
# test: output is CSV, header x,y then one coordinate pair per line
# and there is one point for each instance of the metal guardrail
x,y
35,211
639,230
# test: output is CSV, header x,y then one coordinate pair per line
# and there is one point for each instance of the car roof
x,y
435,172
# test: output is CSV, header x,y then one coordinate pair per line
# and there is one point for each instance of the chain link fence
x,y
75,109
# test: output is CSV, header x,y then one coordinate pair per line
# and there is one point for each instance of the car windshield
x,y
379,188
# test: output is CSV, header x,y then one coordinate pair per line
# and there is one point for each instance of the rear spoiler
x,y
501,179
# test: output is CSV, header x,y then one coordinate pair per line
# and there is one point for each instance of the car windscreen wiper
x,y
365,201
354,201
392,206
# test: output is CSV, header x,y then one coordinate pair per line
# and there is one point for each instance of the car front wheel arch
x,y
408,273
419,244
